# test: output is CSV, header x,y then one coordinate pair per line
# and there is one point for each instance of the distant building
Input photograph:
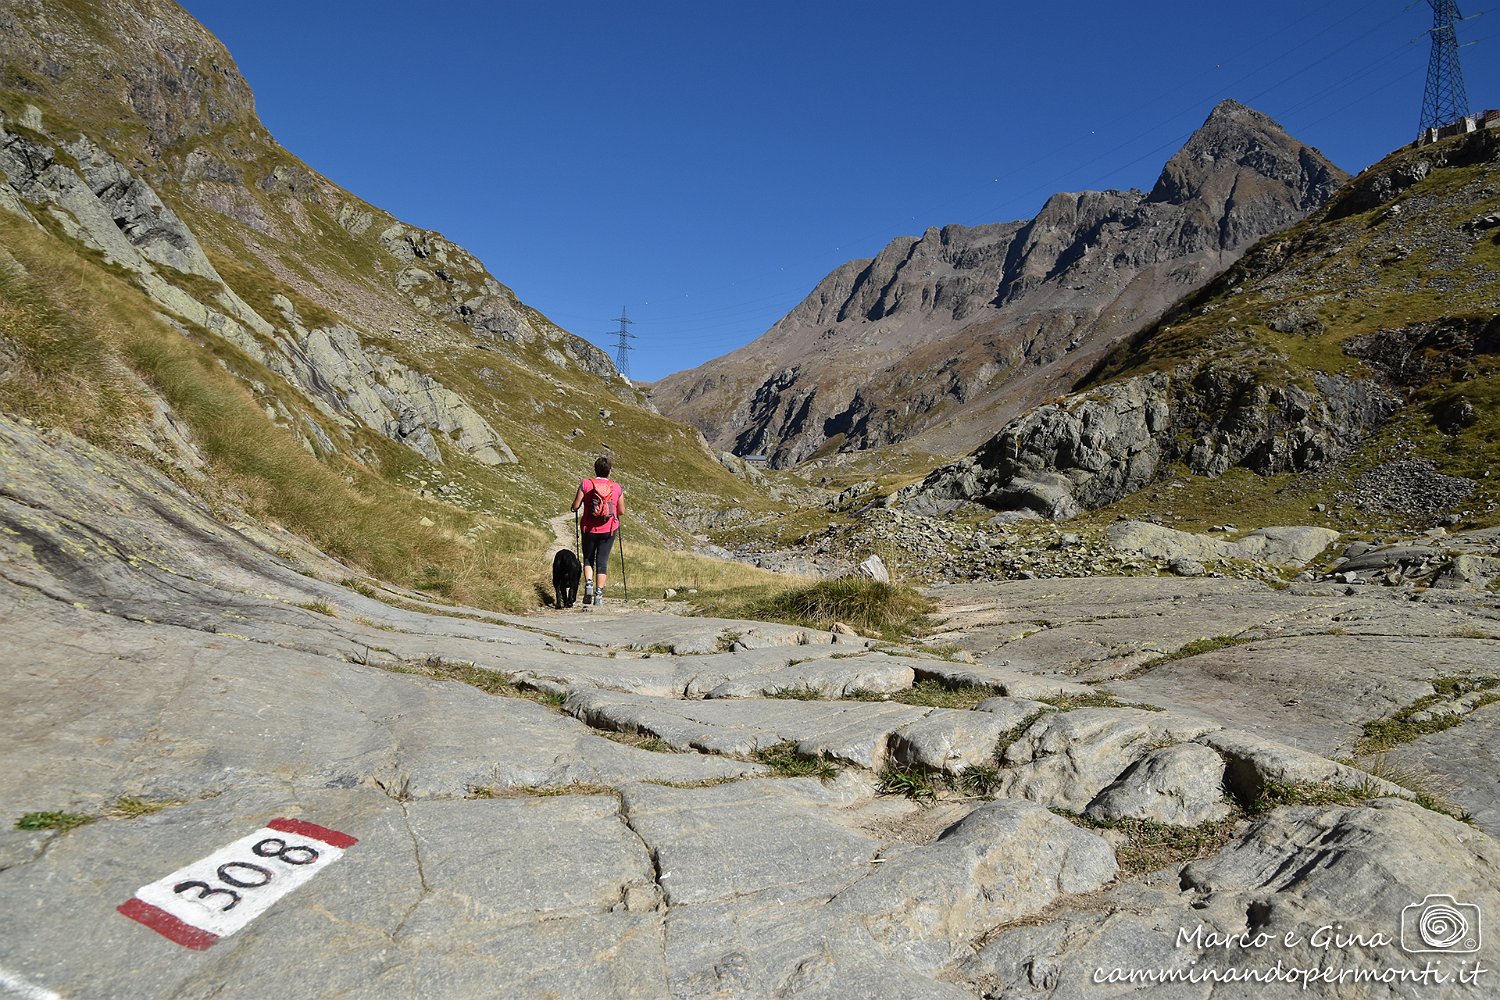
x,y
1468,123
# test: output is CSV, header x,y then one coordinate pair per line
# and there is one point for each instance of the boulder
x,y
1468,572
1182,785
948,740
873,568
1065,759
1292,546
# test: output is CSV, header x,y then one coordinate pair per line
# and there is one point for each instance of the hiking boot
x,y
588,593
599,598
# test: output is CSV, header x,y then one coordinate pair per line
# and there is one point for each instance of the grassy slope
x,y
86,325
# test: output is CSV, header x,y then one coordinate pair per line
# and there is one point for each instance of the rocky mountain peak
x,y
123,64
1236,144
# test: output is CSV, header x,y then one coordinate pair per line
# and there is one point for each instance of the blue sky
x,y
705,164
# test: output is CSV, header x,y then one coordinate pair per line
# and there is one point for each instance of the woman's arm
x,y
578,500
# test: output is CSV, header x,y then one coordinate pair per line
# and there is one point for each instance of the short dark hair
x,y
602,465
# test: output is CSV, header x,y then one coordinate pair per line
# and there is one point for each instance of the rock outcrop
x,y
1094,448
938,334
82,188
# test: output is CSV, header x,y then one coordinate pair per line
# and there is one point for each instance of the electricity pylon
x,y
1446,100
622,349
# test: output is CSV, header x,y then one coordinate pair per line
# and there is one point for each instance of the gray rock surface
x,y
852,732
1100,445
1465,764
508,847
1059,459
948,741
1257,907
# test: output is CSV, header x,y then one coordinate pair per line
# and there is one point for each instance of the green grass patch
x,y
64,373
886,610
804,692
538,791
1150,846
1281,793
785,762
487,681
1094,699
934,693
639,740
55,820
913,782
701,783
360,587
1406,726
135,806
981,780
320,607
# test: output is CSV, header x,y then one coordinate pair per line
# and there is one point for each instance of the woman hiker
x,y
602,501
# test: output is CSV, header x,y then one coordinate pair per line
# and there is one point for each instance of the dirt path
x,y
562,530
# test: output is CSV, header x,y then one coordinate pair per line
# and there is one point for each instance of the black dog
x,y
566,571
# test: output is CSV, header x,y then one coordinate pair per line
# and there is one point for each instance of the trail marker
x,y
212,898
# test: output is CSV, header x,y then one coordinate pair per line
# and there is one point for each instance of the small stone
x,y
874,569
1187,567
668,594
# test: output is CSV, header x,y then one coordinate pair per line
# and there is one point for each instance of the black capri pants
x,y
596,546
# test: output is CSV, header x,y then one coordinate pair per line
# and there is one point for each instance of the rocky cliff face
x,y
1266,370
935,335
128,123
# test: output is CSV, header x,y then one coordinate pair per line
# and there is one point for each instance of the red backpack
x,y
601,506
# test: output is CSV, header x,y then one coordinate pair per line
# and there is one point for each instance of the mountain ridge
x,y
1002,300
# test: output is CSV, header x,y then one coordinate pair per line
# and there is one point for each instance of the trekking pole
x,y
624,572
577,538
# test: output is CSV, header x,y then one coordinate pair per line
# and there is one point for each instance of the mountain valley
x,y
1117,610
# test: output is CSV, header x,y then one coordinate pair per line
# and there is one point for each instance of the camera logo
x,y
1440,923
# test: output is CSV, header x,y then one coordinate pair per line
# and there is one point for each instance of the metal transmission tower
x,y
1445,101
622,349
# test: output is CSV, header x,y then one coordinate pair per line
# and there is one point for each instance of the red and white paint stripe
x,y
222,893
